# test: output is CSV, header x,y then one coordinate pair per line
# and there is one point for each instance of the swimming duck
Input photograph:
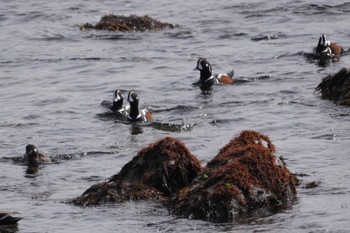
x,y
6,218
134,113
34,157
326,49
206,76
117,105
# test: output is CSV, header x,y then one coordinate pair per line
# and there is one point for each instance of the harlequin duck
x,y
117,105
6,218
134,113
326,50
206,76
34,157
117,101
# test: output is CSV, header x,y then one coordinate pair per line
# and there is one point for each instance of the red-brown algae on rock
x,y
336,87
158,170
132,23
242,178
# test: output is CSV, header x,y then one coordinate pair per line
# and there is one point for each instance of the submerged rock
x,y
157,171
336,87
132,23
244,177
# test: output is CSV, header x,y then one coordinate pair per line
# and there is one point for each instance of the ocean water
x,y
54,76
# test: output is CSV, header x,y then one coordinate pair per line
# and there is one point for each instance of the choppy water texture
x,y
53,78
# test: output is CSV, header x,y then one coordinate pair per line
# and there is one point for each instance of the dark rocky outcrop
x,y
132,23
158,170
243,178
336,87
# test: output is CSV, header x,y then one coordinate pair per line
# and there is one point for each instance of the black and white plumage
x,y
326,49
207,78
134,113
117,104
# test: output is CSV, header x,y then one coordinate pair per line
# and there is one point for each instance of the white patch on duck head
x,y
199,65
117,96
132,96
202,64
324,41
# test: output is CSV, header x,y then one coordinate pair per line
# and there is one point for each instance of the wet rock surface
x,y
158,170
243,178
132,23
336,87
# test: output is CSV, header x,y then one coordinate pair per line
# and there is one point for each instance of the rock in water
x,y
132,23
336,87
244,177
157,171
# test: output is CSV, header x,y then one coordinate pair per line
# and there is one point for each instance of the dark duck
x,y
6,218
207,79
134,113
326,49
34,157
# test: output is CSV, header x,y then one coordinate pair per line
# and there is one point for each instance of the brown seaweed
x,y
243,177
336,87
132,23
158,170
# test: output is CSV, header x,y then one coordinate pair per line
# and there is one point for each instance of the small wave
x,y
331,137
79,155
170,127
177,108
184,34
327,9
54,37
265,37
51,101
19,125
110,36
60,157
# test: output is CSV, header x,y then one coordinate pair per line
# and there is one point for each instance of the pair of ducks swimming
x,y
131,112
324,50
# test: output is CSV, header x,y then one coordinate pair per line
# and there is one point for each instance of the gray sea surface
x,y
53,78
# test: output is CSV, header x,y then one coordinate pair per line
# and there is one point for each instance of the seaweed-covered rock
x,y
130,23
336,87
243,178
158,170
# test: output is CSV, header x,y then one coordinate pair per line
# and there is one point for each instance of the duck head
x,y
205,69
31,155
117,101
323,50
133,99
